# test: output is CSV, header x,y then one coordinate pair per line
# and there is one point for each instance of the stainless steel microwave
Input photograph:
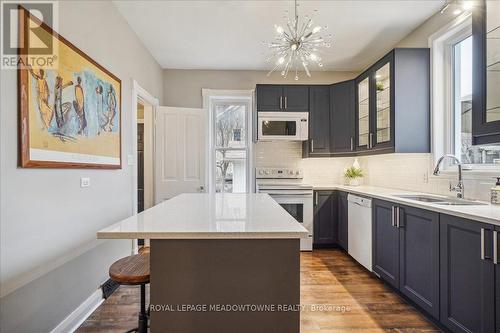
x,y
291,126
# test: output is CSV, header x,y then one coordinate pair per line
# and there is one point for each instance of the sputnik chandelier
x,y
297,45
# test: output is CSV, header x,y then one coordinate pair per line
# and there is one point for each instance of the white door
x,y
180,151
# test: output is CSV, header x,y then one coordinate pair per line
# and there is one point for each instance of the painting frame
x,y
23,75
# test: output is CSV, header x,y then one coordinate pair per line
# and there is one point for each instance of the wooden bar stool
x,y
134,270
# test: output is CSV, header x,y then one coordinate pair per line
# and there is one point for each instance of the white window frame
x,y
442,95
211,96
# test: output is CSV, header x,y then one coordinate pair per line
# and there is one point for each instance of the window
x,y
451,49
230,149
462,109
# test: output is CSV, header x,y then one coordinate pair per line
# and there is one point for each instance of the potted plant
x,y
353,175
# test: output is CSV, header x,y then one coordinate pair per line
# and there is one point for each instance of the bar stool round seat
x,y
131,270
134,270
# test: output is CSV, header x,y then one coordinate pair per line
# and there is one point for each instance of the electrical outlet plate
x,y
425,177
84,182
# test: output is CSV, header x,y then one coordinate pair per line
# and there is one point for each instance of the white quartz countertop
x,y
484,213
207,216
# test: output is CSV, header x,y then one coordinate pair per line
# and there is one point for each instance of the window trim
x,y
442,95
210,97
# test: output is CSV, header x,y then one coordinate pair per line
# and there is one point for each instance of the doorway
x,y
145,151
141,158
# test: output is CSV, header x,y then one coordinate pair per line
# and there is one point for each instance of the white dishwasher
x,y
359,230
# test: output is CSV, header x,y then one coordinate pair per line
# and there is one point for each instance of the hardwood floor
x,y
355,301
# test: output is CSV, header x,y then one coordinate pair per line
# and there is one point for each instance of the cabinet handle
x,y
393,219
312,145
316,198
281,102
495,247
370,141
352,143
482,244
286,102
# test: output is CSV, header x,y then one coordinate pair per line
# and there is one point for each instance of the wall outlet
x,y
84,182
425,177
130,159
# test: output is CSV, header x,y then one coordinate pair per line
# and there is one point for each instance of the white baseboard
x,y
82,312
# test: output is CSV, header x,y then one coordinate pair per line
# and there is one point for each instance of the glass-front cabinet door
x,y
486,73
383,104
381,135
363,114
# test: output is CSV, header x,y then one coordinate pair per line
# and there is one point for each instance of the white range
x,y
286,187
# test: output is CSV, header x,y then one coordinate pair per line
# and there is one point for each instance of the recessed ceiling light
x,y
457,12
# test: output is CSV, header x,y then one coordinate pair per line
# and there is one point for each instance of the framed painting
x,y
70,111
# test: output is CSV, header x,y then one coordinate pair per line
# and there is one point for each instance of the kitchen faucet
x,y
459,188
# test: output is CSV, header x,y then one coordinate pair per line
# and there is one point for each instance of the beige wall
x,y
420,36
50,259
182,88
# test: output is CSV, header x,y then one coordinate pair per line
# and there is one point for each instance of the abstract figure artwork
x,y
69,113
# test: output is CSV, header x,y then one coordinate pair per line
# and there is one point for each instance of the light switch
x,y
84,182
130,159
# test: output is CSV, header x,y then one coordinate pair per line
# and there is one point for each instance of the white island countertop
x,y
209,216
487,213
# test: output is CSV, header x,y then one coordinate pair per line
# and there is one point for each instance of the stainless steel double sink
x,y
443,201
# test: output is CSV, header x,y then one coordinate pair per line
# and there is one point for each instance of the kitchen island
x,y
220,263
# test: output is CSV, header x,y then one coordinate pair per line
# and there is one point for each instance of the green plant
x,y
353,173
380,86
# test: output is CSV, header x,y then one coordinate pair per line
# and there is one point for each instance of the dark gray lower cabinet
x,y
406,252
342,220
497,277
325,218
385,242
467,275
419,257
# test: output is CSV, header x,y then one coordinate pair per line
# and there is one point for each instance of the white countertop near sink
x,y
484,213
209,216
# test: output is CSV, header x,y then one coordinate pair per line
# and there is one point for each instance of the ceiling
x,y
229,34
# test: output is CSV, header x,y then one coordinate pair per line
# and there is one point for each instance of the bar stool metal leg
x,y
142,326
143,317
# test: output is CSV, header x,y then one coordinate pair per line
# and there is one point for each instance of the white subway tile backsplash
x,y
412,172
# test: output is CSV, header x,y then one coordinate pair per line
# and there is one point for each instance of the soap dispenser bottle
x,y
495,193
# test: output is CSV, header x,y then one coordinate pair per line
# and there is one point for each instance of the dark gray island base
x,y
217,275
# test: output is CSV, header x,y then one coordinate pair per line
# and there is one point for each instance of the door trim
x,y
139,93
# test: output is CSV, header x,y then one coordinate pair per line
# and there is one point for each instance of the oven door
x,y
283,126
300,206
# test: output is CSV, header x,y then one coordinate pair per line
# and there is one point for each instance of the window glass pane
x,y
279,128
230,125
231,171
469,154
